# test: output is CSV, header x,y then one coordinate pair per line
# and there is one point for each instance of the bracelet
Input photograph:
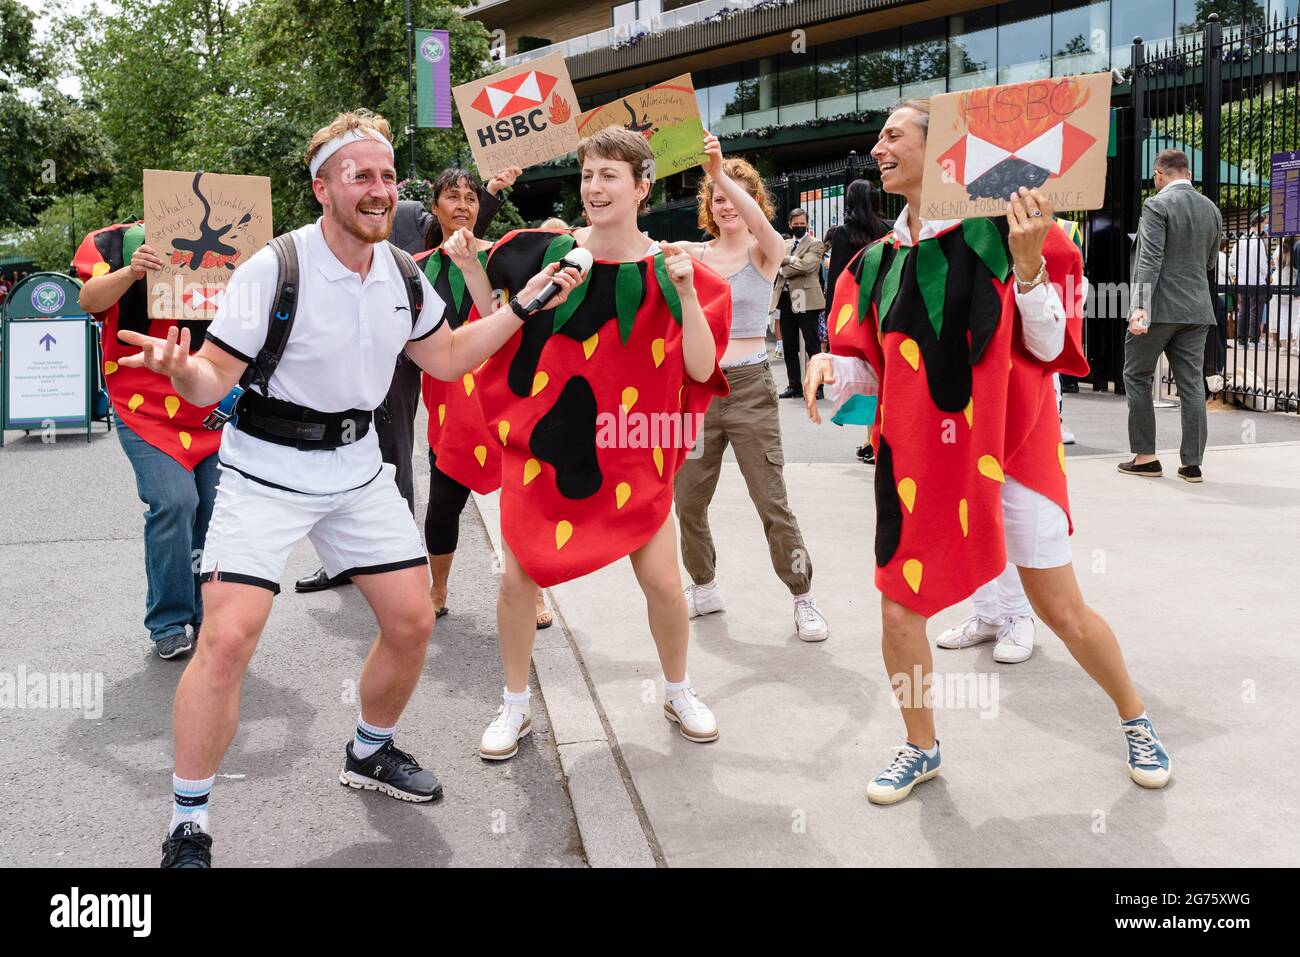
x,y
1029,284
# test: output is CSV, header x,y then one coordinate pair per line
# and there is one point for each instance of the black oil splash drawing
x,y
209,239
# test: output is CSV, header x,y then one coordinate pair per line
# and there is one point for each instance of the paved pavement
x,y
97,791
1198,581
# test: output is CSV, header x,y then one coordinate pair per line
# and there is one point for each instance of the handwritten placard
x,y
666,114
202,225
983,144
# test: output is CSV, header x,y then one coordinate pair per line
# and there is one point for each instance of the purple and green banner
x,y
432,79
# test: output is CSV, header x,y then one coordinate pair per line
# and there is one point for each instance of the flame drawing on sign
x,y
559,110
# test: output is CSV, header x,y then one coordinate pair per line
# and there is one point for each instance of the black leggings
x,y
447,499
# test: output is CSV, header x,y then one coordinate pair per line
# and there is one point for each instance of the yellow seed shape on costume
x,y
136,401
442,412
1060,454
186,439
468,381
963,516
173,405
846,313
621,494
110,367
969,412
911,352
99,269
480,453
907,492
912,574
589,345
990,468
629,398
657,351
563,532
531,470
503,429
539,382
658,455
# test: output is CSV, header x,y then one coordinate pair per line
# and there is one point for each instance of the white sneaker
x,y
1067,437
973,631
809,621
501,739
704,600
1015,641
692,715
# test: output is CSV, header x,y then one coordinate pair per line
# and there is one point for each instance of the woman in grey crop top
x,y
746,251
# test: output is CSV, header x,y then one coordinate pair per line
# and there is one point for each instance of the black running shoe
x,y
393,771
187,847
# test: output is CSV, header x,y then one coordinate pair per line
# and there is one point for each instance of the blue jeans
x,y
175,525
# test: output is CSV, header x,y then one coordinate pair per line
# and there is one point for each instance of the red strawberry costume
x,y
963,402
592,406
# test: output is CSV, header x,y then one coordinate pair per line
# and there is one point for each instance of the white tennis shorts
x,y
1037,530
254,527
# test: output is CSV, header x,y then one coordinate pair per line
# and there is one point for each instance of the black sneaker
x,y
393,771
867,454
187,847
173,646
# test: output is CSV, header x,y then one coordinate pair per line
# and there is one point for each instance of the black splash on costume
x,y
565,439
889,509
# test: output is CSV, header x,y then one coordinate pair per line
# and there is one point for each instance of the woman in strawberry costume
x,y
593,406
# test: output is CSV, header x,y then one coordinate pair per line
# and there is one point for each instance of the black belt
x,y
287,423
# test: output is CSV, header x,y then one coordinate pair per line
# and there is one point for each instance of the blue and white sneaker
x,y
909,768
1148,761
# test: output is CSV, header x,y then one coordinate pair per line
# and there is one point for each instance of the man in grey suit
x,y
1173,310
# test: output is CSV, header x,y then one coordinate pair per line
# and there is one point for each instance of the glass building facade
x,y
1000,43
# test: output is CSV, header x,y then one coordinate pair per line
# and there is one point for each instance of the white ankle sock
x,y
709,587
522,698
370,738
190,802
674,688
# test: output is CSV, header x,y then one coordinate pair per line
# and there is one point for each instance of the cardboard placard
x,y
521,116
985,143
202,225
666,114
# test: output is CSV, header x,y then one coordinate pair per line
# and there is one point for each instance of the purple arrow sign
x,y
47,340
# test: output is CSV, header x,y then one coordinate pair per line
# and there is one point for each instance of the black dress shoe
x,y
1190,473
821,393
867,454
1149,469
319,581
791,393
188,847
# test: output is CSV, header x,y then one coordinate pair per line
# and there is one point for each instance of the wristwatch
x,y
518,308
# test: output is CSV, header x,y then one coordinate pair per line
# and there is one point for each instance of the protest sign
x,y
666,114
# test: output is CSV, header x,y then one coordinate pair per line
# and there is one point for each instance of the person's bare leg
x,y
400,601
655,565
440,572
516,620
905,647
205,713
1056,599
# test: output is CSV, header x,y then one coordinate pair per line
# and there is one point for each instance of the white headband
x,y
355,135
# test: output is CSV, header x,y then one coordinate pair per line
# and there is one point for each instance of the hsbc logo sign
x,y
518,103
521,116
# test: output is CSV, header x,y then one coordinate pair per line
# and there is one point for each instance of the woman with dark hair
x,y
862,226
462,456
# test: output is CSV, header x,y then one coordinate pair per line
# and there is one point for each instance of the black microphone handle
x,y
546,296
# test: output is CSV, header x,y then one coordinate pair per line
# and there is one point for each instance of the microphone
x,y
580,259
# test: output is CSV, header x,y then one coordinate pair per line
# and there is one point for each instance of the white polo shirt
x,y
347,335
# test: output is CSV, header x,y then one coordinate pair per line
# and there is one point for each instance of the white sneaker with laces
x,y
1015,641
501,739
704,600
973,631
692,715
1067,437
808,621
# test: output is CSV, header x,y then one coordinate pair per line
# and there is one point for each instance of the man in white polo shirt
x,y
301,459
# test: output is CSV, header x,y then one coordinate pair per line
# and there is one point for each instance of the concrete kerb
x,y
612,822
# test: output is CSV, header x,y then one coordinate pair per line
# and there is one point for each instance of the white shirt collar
x,y
1174,182
329,264
929,228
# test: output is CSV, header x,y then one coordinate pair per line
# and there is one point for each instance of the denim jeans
x,y
175,524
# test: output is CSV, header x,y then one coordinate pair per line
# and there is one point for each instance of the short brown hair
x,y
1172,161
922,106
352,120
743,173
620,145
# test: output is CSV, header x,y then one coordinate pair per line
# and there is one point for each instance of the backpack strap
x,y
283,309
411,277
